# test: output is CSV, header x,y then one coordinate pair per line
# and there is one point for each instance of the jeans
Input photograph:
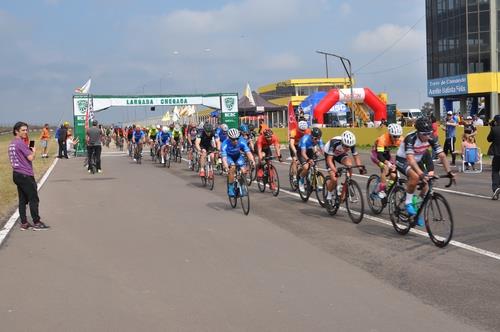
x,y
62,149
97,150
449,145
28,194
495,173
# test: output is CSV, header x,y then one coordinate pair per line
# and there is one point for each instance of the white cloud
x,y
385,35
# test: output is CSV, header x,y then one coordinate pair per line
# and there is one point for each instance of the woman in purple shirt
x,y
21,157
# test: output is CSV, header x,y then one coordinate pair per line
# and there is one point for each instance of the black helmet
x,y
316,132
94,122
251,127
208,128
496,118
423,125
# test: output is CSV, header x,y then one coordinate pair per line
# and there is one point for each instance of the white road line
x,y
413,230
12,220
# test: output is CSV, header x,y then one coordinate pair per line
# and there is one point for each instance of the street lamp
x,y
348,72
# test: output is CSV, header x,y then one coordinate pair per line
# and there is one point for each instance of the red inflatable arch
x,y
360,95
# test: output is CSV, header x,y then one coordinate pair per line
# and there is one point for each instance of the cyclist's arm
x,y
330,163
197,144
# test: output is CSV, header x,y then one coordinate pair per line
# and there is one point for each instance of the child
x,y
470,142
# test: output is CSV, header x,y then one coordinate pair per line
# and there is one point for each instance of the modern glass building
x,y
463,55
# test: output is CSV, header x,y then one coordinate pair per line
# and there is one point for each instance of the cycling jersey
x,y
152,132
206,142
220,134
335,148
381,148
264,143
233,151
413,145
192,133
297,134
176,134
306,143
130,133
163,138
138,135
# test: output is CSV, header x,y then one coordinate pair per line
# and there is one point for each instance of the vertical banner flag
x,y
249,95
85,88
292,122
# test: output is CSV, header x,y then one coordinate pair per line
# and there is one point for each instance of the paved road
x,y
143,247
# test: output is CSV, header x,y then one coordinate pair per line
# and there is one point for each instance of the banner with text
x,y
447,86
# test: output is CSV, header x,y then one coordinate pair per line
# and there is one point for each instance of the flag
x,y
292,122
249,95
85,88
89,115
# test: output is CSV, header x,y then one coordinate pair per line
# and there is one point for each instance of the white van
x,y
411,114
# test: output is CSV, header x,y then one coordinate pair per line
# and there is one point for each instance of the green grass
x,y
8,190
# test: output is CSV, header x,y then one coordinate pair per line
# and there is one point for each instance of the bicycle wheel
x,y
196,164
354,202
204,178
304,195
250,176
244,195
320,188
274,181
397,211
293,178
438,220
167,160
261,183
331,206
210,177
374,201
232,200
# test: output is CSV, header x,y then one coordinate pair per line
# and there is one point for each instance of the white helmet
x,y
348,138
165,129
303,125
224,127
158,126
395,129
233,133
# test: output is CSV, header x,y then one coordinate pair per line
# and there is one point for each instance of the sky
x,y
51,47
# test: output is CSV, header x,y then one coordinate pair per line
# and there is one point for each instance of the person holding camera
x,y
494,151
21,157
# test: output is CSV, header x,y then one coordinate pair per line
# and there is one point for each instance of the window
x,y
484,21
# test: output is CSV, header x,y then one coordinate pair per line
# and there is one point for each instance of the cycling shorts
x,y
309,153
425,164
238,160
337,159
374,157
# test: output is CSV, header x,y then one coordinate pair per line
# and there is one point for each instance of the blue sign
x,y
339,107
447,86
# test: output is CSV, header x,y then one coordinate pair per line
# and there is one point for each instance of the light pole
x,y
348,72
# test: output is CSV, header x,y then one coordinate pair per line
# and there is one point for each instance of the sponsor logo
x,y
229,102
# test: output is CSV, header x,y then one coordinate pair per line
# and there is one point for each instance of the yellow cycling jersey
x,y
152,132
176,133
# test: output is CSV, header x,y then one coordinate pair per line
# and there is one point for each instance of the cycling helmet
x,y
316,132
171,126
251,127
268,133
348,139
423,125
94,122
233,133
177,127
395,129
224,127
244,128
208,128
158,126
165,129
303,125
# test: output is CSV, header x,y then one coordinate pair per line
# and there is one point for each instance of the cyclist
x,y
221,135
310,145
176,132
264,142
130,133
138,138
205,143
152,136
410,158
191,134
247,136
293,146
381,154
163,138
337,150
231,156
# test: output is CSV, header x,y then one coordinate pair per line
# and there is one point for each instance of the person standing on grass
x,y
21,157
44,140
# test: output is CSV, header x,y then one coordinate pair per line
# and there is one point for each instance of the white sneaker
x,y
99,171
162,160
301,185
381,194
135,159
329,195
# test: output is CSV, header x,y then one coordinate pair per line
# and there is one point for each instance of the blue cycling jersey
x,y
306,142
221,135
229,149
164,137
138,135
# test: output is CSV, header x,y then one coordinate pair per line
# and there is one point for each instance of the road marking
x,y
4,232
413,230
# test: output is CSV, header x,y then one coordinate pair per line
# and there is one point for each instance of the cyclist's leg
x,y
203,157
230,175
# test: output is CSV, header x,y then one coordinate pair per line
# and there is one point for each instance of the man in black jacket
x,y
61,140
494,150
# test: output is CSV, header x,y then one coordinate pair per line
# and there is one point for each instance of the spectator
x,y
402,121
61,140
44,140
262,125
21,158
469,129
450,139
494,151
70,144
94,136
469,143
476,121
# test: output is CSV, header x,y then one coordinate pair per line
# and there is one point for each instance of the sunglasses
x,y
429,133
396,137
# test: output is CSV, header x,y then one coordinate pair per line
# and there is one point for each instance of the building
x,y
463,56
296,90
